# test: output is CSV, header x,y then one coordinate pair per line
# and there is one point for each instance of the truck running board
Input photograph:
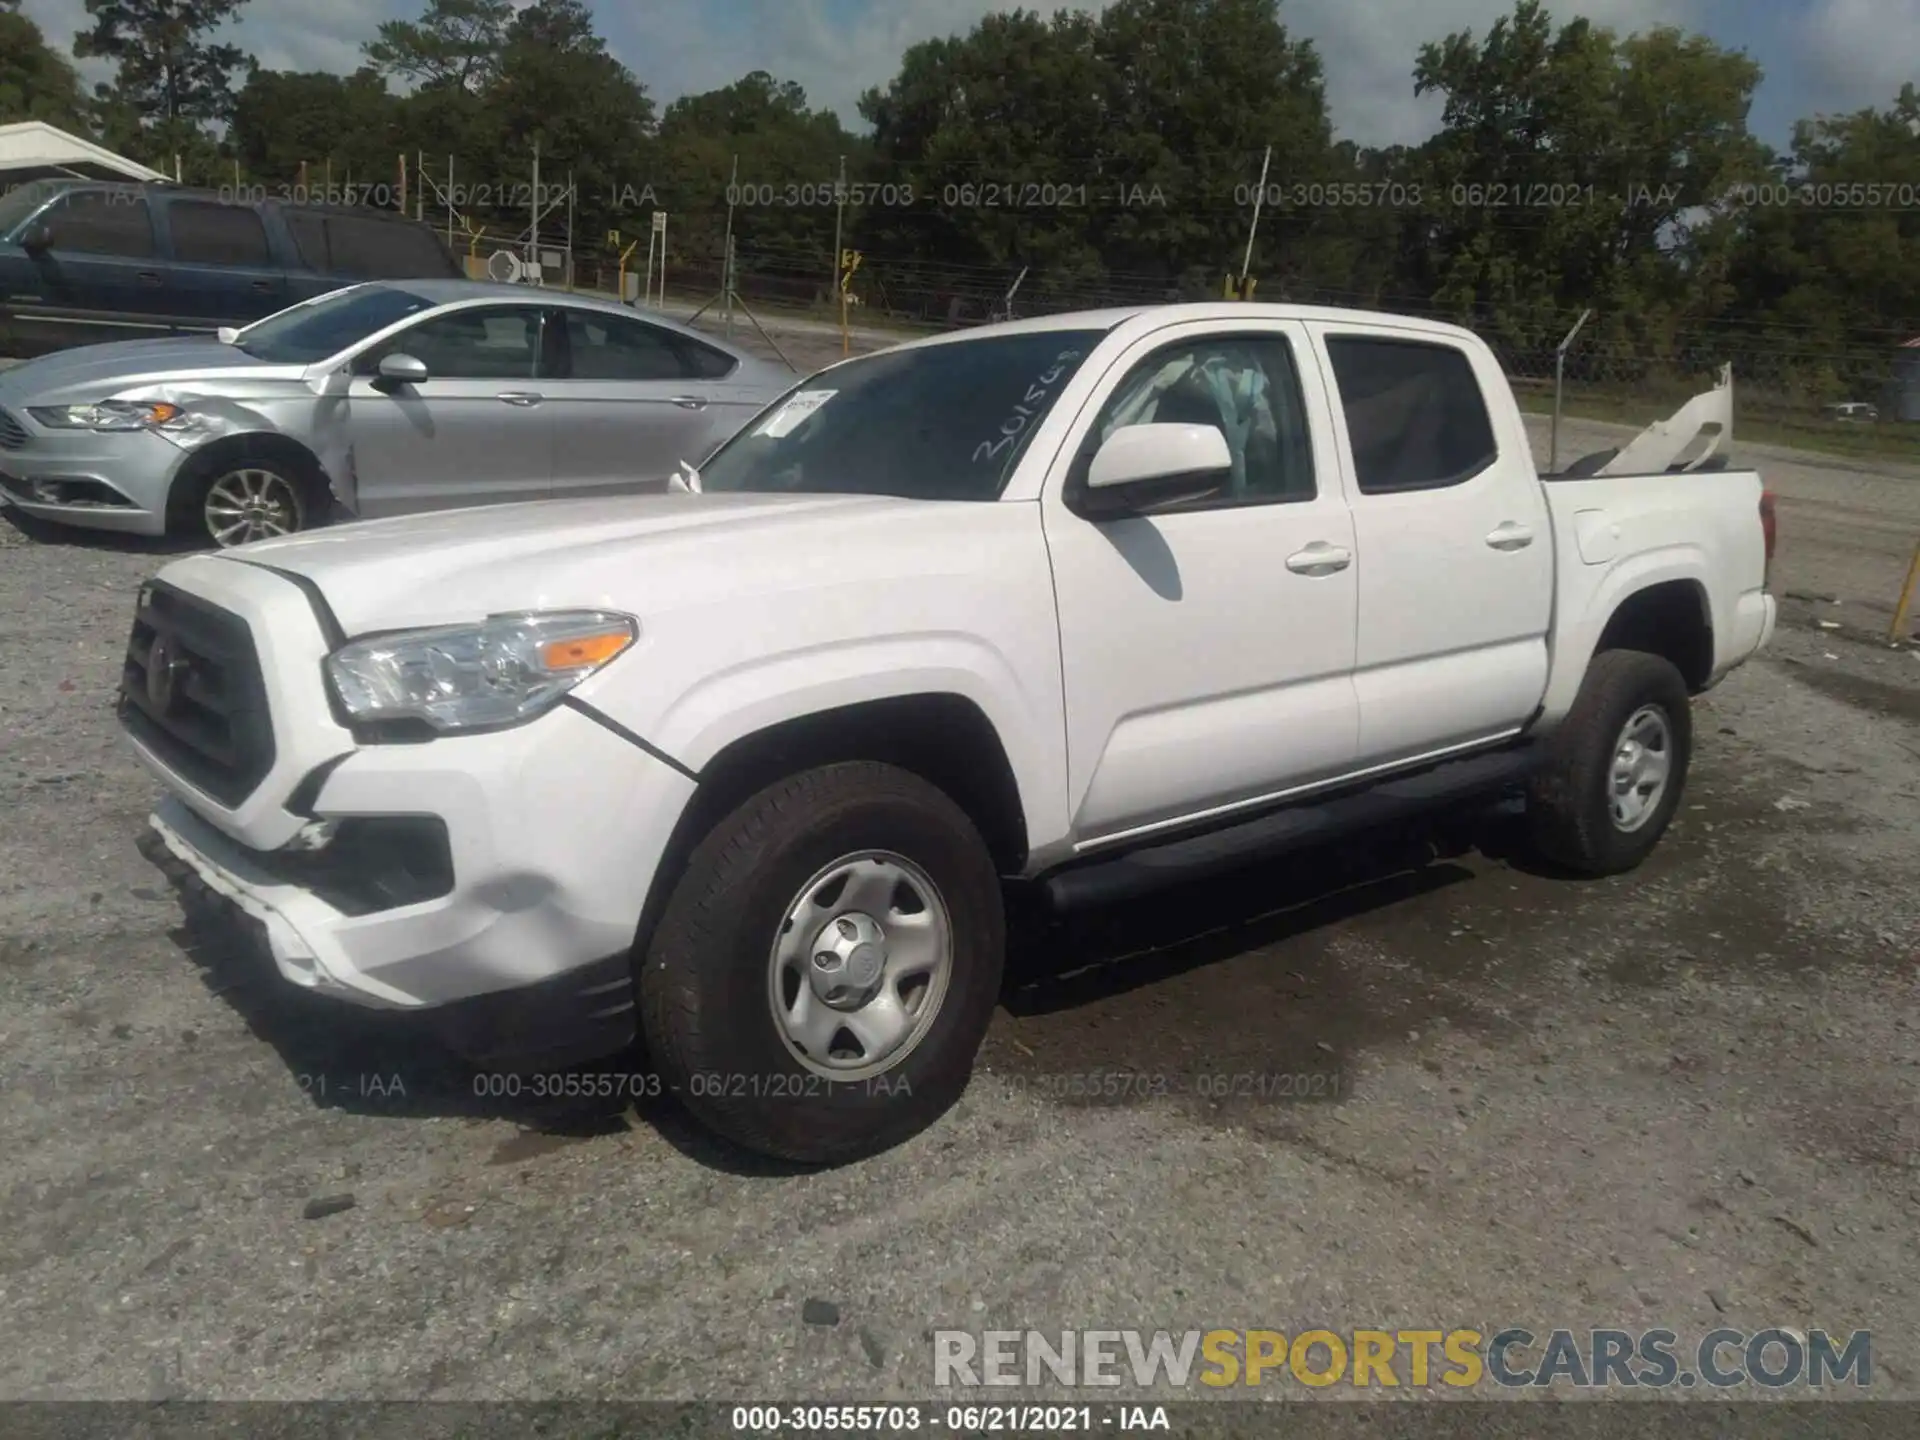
x,y
1138,872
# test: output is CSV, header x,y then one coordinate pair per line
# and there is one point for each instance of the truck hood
x,y
94,372
634,554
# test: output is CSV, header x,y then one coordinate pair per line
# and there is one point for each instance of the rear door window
x,y
206,232
612,347
367,247
382,249
1415,417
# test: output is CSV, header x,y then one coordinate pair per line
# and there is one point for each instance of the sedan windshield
x,y
942,422
312,332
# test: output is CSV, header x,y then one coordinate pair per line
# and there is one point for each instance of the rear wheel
x,y
1615,770
827,966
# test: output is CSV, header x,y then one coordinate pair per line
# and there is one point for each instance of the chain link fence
x,y
1786,386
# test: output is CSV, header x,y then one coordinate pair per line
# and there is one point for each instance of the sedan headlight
x,y
112,415
503,671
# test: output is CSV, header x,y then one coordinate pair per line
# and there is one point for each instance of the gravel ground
x,y
1685,1097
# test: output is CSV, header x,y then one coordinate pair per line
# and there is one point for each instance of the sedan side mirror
x,y
1147,467
397,370
38,237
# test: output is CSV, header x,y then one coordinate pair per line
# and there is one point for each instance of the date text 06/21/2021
x,y
1091,1086
1031,1419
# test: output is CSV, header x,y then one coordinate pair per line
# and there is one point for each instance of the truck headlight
x,y
503,671
112,415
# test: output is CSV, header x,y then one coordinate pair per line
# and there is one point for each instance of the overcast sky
x,y
1818,55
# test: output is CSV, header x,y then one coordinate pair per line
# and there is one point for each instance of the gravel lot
x,y
1685,1097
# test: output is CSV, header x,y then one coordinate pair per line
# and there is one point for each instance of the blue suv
x,y
85,261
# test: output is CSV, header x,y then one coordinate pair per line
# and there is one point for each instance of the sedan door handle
x,y
520,397
147,277
1510,535
690,402
265,287
1319,558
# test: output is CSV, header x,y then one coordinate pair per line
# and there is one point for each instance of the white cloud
x,y
280,34
1857,53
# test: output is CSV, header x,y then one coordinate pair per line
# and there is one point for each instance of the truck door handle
x,y
1510,535
690,402
1319,558
520,397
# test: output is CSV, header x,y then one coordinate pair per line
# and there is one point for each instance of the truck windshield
x,y
314,331
943,422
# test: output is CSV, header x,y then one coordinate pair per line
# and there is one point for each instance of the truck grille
x,y
12,433
191,692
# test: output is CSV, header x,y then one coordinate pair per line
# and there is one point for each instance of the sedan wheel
x,y
252,504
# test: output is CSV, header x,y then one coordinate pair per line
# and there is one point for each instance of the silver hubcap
x,y
248,505
861,964
1642,762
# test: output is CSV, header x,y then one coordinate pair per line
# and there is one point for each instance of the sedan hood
x,y
630,553
94,371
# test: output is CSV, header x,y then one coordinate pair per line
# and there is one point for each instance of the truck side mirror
x,y
1148,467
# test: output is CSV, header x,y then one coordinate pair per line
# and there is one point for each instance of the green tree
x,y
36,81
1196,92
455,44
555,84
789,156
1827,262
977,126
347,124
169,75
1574,167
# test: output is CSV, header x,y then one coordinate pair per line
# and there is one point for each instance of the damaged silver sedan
x,y
379,399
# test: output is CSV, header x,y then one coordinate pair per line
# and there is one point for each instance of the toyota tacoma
x,y
1090,604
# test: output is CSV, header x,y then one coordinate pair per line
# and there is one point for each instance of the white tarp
x,y
33,149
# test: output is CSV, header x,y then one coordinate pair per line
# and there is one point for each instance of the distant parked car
x,y
389,398
87,261
1851,412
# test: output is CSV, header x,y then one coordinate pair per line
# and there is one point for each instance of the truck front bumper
x,y
493,882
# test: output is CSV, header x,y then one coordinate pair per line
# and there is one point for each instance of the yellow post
x,y
849,262
1898,632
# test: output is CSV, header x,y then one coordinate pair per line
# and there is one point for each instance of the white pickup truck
x,y
1094,603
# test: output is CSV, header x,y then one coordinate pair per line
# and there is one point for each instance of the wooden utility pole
x,y
726,262
1246,261
533,248
839,212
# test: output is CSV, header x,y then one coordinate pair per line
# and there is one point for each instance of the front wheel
x,y
1616,768
245,500
827,966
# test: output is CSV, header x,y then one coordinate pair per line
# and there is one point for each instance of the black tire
x,y
1570,800
703,981
187,516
